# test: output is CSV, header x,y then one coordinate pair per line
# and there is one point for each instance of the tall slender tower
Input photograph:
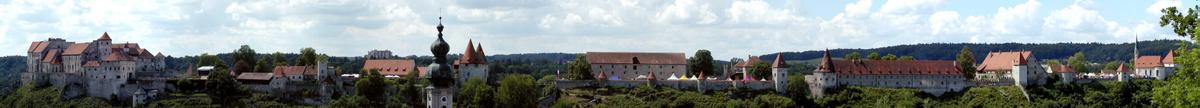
x,y
440,94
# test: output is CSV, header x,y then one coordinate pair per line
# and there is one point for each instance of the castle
x,y
98,68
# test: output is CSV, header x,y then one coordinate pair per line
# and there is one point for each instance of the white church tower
x,y
440,92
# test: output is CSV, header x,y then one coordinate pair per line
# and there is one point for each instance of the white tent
x,y
673,77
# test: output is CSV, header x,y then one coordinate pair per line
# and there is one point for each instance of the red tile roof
x,y
642,58
1059,68
76,49
294,70
1122,68
52,57
391,67
479,52
778,61
471,55
255,76
104,37
1002,61
826,64
1149,61
117,56
749,62
880,67
1170,58
38,47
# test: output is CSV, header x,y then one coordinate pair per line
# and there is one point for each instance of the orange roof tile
x,y
749,62
391,67
52,57
641,58
39,47
1149,61
778,62
94,64
76,49
1000,61
104,37
879,67
1170,58
1059,68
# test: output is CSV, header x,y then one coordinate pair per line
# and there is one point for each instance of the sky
x,y
729,28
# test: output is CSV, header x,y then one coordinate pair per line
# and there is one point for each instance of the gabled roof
x,y
1059,68
749,62
1002,61
38,47
117,56
76,49
294,70
881,67
52,57
391,67
1149,61
255,76
1122,68
641,57
1170,58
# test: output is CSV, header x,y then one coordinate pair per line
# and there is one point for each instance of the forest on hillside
x,y
947,51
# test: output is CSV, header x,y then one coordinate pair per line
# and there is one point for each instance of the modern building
x,y
1154,66
378,54
635,65
934,77
473,63
98,68
1010,68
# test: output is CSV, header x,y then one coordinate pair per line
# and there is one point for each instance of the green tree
x,y
245,54
907,58
1079,62
265,65
514,92
797,89
774,101
224,89
1182,89
410,93
1052,62
874,56
372,87
1111,65
701,62
966,62
579,69
308,56
760,70
852,56
474,94
206,59
279,59
889,57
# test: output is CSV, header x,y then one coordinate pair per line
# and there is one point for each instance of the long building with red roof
x,y
1154,66
930,76
1009,68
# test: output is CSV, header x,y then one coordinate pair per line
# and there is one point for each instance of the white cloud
x,y
1156,8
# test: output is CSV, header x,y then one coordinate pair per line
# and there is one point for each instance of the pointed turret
x,y
826,63
481,57
601,76
778,61
104,37
468,55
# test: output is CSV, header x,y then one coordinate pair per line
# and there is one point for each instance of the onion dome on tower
x,y
439,72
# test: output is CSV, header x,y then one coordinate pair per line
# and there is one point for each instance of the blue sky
x,y
729,28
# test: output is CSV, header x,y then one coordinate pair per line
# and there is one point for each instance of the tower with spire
x,y
440,92
779,73
473,63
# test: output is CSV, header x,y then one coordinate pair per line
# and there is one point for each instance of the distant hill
x,y
1094,52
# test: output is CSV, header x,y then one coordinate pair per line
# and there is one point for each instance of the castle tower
x,y
1019,72
824,77
779,73
440,92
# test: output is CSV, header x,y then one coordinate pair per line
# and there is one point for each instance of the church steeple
x,y
439,72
